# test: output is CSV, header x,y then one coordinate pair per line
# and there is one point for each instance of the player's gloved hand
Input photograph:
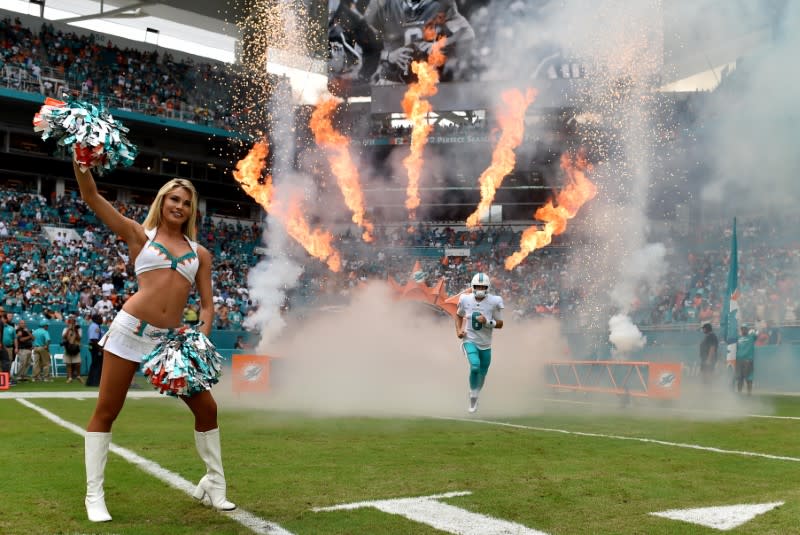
x,y
400,57
460,334
424,46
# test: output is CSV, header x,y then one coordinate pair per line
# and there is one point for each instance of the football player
x,y
477,316
408,29
354,47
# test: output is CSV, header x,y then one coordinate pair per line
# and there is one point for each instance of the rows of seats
x,y
48,60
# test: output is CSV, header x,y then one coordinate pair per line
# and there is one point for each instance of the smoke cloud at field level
x,y
378,355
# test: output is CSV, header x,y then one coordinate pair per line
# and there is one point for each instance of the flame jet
x,y
577,191
337,146
417,108
316,242
512,126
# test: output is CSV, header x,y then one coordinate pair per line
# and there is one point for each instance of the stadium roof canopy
x,y
194,26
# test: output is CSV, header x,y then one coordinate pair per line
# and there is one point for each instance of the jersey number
x,y
412,35
476,325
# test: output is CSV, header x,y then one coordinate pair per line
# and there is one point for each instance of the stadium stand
x,y
55,256
691,292
51,61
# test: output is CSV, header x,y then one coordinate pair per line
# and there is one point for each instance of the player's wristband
x,y
492,323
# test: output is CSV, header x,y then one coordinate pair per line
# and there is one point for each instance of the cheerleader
x,y
147,331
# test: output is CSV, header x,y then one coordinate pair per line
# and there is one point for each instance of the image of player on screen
x,y
353,45
408,29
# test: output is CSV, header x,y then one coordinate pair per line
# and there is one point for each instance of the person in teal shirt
x,y
9,334
235,318
41,353
745,354
72,297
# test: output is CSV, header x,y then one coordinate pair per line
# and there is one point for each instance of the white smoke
x,y
748,127
378,355
269,281
644,266
647,266
625,336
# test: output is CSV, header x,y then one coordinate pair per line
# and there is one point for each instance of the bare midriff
x,y
161,298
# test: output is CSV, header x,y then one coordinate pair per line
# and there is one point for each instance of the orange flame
x,y
577,191
248,173
417,109
512,124
317,242
345,171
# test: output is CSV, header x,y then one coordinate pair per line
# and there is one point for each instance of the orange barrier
x,y
5,381
660,380
250,373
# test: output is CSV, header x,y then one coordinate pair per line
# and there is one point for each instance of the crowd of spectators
x,y
82,269
153,83
88,271
690,292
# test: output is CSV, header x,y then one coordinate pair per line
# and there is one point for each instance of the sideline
x,y
90,394
727,414
152,394
619,437
246,519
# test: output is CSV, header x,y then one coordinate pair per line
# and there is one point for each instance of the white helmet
x,y
480,279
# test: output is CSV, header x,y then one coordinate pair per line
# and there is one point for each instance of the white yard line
x,y
148,394
246,519
442,516
723,518
21,397
729,414
619,437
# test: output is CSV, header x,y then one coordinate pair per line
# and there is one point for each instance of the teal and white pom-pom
x,y
183,364
89,132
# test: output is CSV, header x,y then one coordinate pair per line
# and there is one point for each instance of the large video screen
x,y
374,42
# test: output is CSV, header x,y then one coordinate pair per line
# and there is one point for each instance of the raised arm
x,y
126,228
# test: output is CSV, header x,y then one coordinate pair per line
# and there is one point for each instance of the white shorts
x,y
131,338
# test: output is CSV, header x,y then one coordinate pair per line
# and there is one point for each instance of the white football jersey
x,y
470,308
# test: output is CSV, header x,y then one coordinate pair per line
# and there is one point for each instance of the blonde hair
x,y
153,219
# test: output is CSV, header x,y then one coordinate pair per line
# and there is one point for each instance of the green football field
x,y
572,465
